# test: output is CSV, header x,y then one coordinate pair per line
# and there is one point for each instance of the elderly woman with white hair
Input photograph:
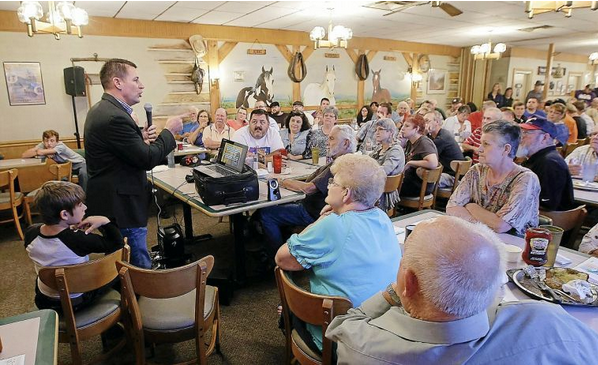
x,y
497,192
351,250
390,156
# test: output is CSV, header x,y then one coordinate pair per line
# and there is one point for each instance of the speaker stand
x,y
77,135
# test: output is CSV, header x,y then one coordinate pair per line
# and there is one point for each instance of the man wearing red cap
x,y
537,144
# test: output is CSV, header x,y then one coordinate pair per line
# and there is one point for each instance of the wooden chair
x,y
174,305
460,168
58,172
393,183
570,221
424,201
315,309
11,199
569,147
100,315
581,142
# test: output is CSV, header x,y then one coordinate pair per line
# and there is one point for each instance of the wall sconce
x,y
215,77
593,58
415,77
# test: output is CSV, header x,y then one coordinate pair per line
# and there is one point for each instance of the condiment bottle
x,y
536,246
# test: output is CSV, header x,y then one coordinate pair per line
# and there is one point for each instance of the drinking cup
x,y
315,155
277,163
553,245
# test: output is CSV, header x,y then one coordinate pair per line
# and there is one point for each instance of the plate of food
x,y
570,286
585,185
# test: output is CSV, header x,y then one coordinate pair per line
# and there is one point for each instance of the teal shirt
x,y
354,255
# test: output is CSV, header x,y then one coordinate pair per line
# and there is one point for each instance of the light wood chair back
x,y
315,309
570,221
84,278
569,147
460,168
62,171
11,199
170,284
424,201
393,183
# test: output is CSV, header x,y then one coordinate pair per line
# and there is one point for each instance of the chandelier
x,y
63,18
566,7
337,36
486,52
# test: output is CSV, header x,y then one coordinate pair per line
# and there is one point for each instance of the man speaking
x,y
118,154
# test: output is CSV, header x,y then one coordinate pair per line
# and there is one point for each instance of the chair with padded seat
x,y
96,318
11,199
424,200
393,183
169,306
315,309
570,221
460,168
58,172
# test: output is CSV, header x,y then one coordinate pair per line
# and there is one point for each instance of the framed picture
x,y
24,83
436,81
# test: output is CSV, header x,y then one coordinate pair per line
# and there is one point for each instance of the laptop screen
x,y
232,154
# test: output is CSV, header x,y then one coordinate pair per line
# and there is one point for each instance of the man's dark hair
x,y
258,112
328,100
533,97
56,196
472,106
464,109
115,67
388,107
374,103
49,133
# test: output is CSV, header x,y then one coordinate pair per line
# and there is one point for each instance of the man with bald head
x,y
443,309
214,133
472,143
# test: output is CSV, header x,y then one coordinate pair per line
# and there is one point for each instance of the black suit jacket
x,y
117,160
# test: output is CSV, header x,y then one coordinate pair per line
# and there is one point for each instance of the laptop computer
x,y
230,161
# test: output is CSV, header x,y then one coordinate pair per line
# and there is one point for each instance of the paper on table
x,y
20,338
590,266
17,360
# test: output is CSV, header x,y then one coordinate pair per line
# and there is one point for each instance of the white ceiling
x,y
480,19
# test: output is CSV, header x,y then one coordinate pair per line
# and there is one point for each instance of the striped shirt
x,y
475,140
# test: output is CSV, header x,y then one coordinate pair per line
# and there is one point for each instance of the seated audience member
x,y
444,309
213,134
277,114
295,136
497,192
536,92
403,112
190,123
537,145
532,108
298,106
507,114
458,125
556,113
390,156
433,104
508,96
592,111
259,134
324,103
570,122
586,95
584,155
582,110
447,148
196,137
65,238
411,104
319,138
260,104
366,134
456,103
51,147
472,143
519,110
274,218
589,242
374,107
240,119
420,151
364,115
580,121
352,251
496,96
476,117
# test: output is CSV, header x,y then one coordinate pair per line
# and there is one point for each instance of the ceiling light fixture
x,y
338,36
486,52
593,58
63,18
566,7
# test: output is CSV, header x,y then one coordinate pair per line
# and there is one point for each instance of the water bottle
x,y
170,158
255,164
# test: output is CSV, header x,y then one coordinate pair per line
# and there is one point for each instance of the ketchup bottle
x,y
536,246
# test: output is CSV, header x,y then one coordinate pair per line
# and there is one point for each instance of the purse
x,y
238,188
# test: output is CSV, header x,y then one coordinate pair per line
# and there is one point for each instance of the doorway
x,y
522,83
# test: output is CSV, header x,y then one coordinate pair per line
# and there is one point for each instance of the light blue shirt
x,y
354,255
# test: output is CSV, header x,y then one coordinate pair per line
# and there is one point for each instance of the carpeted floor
x,y
249,325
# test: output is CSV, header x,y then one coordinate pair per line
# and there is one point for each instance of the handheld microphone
x,y
148,113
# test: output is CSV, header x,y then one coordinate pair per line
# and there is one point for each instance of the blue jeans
x,y
275,217
137,240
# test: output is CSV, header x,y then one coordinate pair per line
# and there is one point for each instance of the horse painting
x,y
379,94
263,90
314,92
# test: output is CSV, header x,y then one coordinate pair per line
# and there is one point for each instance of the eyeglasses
x,y
381,129
331,182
